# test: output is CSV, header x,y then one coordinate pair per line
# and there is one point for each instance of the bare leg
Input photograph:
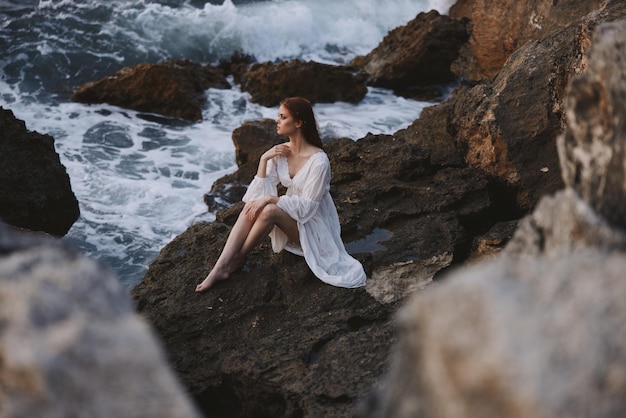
x,y
229,259
271,216
244,236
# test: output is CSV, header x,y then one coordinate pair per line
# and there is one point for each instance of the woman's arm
x,y
257,200
275,151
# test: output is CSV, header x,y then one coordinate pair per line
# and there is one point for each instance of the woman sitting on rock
x,y
304,221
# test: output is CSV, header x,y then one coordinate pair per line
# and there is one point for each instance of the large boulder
x,y
274,340
499,28
71,342
271,341
530,337
592,150
507,128
417,54
174,88
35,190
269,83
539,331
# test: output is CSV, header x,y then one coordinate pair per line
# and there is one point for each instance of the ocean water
x,y
140,183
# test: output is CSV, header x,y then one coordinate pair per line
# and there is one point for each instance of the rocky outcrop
x,y
174,88
417,54
269,83
71,342
539,331
499,28
274,340
35,190
507,128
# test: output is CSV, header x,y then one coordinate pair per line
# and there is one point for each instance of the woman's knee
x,y
270,212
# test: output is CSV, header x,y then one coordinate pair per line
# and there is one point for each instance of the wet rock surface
x,y
269,83
174,88
35,190
417,54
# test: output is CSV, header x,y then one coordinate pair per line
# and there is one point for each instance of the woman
x,y
304,221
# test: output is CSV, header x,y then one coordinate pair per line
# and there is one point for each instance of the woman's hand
x,y
276,151
252,209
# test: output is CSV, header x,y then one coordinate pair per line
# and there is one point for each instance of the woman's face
x,y
286,124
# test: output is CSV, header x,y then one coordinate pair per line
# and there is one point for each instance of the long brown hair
x,y
302,110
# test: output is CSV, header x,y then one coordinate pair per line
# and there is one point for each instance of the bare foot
x,y
218,274
210,280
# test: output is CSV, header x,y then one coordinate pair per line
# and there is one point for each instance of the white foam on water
x,y
320,30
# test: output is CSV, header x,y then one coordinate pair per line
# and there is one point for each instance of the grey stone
x,y
592,150
70,342
530,337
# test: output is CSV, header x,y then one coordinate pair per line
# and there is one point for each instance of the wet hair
x,y
301,109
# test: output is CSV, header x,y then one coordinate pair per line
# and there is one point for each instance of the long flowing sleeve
x,y
304,206
263,186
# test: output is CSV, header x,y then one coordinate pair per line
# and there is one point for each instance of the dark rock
x,y
489,245
417,54
432,132
507,128
35,190
270,83
237,65
271,341
274,340
71,342
174,88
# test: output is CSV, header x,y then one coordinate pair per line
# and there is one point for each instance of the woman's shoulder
x,y
320,157
318,152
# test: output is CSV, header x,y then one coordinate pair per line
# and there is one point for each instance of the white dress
x,y
309,203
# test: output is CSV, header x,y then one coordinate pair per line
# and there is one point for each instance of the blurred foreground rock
x,y
70,342
541,331
35,190
593,152
513,338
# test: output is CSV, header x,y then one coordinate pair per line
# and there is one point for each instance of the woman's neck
x,y
298,144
